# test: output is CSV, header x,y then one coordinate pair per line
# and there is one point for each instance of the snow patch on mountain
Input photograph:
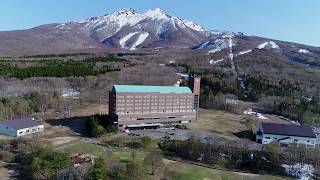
x,y
215,61
214,50
244,52
123,40
156,14
218,45
304,51
142,37
193,25
113,23
204,45
269,44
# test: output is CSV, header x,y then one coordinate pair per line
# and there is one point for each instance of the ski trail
x,y
233,66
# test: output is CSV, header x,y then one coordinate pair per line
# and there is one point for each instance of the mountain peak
x,y
157,13
126,11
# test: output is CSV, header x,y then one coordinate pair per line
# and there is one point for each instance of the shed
x,y
286,134
20,127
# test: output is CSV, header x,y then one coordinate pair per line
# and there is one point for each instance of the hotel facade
x,y
134,106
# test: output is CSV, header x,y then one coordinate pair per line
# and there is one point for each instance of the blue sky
x,y
289,20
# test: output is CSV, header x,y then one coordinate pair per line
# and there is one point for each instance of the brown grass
x,y
220,122
226,123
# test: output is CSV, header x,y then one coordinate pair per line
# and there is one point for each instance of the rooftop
x,y
21,123
288,130
151,89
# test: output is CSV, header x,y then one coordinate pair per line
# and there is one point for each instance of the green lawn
x,y
124,154
81,148
181,171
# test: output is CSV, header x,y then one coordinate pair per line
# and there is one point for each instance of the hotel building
x,y
134,106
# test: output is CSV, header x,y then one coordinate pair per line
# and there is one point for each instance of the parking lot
x,y
205,137
176,134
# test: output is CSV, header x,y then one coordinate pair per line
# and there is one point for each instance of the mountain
x,y
125,29
128,30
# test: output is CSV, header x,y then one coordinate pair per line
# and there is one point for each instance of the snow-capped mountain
x,y
129,30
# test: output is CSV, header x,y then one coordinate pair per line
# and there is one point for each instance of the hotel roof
x,y
151,89
288,130
21,123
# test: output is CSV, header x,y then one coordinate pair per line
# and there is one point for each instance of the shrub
x,y
6,156
146,141
45,164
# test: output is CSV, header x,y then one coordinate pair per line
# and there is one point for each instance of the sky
x,y
288,20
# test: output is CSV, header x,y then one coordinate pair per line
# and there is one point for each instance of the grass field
x,y
220,122
182,171
226,123
124,154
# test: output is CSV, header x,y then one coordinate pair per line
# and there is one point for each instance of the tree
x,y
134,171
45,164
153,161
99,172
146,141
21,108
272,151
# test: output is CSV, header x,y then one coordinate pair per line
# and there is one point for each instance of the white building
x,y
20,127
285,134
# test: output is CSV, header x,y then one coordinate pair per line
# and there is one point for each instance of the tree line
x,y
99,124
18,107
62,69
235,156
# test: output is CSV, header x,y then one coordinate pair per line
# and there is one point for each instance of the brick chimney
x,y
194,84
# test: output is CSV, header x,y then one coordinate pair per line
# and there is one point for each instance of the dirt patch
x,y
58,141
247,174
4,173
91,109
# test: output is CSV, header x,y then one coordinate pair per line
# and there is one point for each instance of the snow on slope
x,y
142,37
193,25
203,45
270,44
122,18
156,14
110,24
304,51
244,52
215,46
214,50
123,40
215,62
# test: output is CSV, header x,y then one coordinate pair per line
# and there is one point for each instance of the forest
x,y
282,97
59,68
239,155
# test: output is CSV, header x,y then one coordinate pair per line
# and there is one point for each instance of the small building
x,y
285,134
136,107
20,127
